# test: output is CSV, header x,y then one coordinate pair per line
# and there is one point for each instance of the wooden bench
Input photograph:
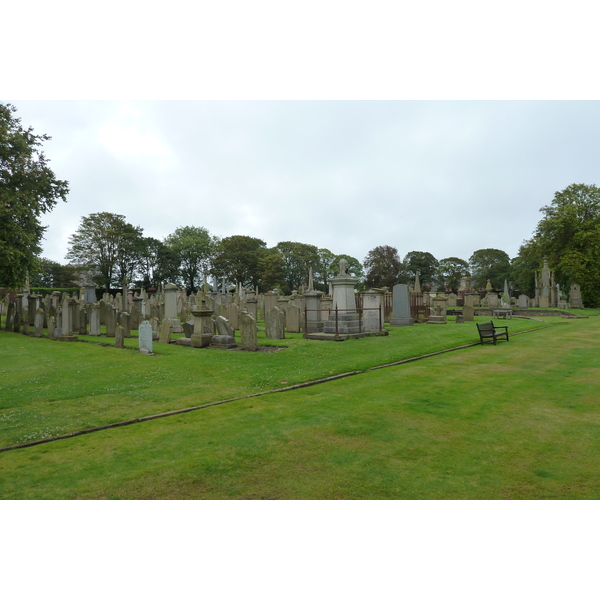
x,y
488,332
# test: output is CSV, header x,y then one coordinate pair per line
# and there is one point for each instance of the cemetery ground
x,y
519,420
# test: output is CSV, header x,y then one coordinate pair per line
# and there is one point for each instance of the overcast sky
x,y
446,177
309,125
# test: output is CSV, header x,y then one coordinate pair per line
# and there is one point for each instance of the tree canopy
x,y
492,264
382,265
194,246
423,263
450,272
28,189
569,235
107,243
238,258
298,258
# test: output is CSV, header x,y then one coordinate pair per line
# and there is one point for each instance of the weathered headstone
x,y
125,322
401,302
203,328
145,337
10,317
275,324
575,296
38,323
51,328
468,313
492,300
94,320
155,328
292,319
111,320
372,315
165,332
119,337
523,301
171,295
248,332
225,337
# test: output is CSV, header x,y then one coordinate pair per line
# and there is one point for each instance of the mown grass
x,y
49,388
518,420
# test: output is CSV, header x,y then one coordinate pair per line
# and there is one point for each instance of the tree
x,y
382,265
524,266
569,235
423,263
237,258
451,270
354,268
52,274
298,258
194,246
158,263
271,268
492,264
323,272
28,189
107,243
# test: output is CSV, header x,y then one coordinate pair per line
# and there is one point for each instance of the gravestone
x,y
372,316
468,313
154,323
38,323
292,319
125,322
111,320
203,331
171,293
401,306
437,314
51,328
119,337
523,301
575,296
165,331
145,337
10,317
188,328
94,320
275,324
269,300
225,337
248,332
492,300
313,321
345,319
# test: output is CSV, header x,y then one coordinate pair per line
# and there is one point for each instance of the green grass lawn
x,y
516,420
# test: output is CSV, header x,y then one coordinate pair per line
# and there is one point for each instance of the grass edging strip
x,y
227,400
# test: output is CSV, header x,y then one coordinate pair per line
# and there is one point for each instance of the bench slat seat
x,y
488,332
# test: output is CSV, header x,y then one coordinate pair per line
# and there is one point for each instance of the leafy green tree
x,y
158,263
28,189
569,235
272,270
107,243
423,263
524,265
354,268
382,265
52,274
297,260
492,264
194,246
238,257
450,271
323,272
